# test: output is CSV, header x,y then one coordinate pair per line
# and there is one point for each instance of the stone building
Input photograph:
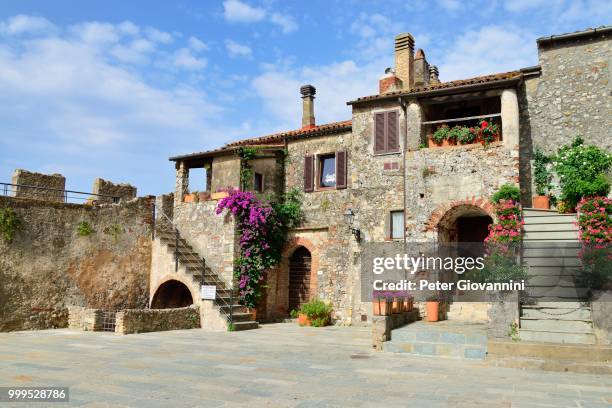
x,y
379,167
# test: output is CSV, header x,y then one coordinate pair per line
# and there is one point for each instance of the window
x,y
258,182
397,225
386,132
327,170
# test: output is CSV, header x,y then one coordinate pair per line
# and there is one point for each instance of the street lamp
x,y
349,218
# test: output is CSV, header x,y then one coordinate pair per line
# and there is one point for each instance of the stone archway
x,y
171,294
462,221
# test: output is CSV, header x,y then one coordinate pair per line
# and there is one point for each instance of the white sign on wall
x,y
208,292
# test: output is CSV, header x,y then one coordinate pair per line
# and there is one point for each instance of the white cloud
x,y
129,28
489,50
95,32
25,24
237,50
450,5
197,45
158,36
596,12
237,11
183,58
136,52
376,33
284,21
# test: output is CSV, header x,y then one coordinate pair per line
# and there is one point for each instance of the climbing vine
x,y
10,223
246,154
263,228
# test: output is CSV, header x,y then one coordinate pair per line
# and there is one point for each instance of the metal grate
x,y
108,320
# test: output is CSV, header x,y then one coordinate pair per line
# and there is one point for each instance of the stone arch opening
x,y
300,266
172,294
464,223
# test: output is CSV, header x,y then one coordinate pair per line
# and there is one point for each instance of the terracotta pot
x,y
408,304
496,138
396,306
444,143
189,198
219,195
542,202
432,308
253,312
303,320
381,307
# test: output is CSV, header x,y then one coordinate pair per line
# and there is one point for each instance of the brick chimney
x,y
404,59
421,69
389,82
433,75
308,94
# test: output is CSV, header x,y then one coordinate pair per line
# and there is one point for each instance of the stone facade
x,y
123,192
23,178
150,320
48,266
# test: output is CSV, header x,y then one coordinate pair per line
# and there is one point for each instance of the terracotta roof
x,y
451,85
328,128
273,141
576,34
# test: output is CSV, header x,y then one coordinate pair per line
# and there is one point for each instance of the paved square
x,y
278,365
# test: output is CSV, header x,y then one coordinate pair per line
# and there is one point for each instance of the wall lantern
x,y
349,218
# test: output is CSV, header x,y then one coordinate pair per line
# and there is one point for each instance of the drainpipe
x,y
405,171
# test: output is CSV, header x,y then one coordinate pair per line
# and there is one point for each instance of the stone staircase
x,y
555,309
189,259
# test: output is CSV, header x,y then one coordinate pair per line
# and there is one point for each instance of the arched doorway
x,y
464,223
300,264
171,294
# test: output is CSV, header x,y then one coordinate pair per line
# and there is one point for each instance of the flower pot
x,y
253,312
381,307
432,308
542,202
444,143
303,320
408,304
397,305
219,195
189,198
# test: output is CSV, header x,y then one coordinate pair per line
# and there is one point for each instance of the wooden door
x,y
299,278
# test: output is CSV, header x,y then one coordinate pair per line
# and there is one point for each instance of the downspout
x,y
405,171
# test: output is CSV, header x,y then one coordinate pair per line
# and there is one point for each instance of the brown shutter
x,y
379,133
341,165
308,173
392,132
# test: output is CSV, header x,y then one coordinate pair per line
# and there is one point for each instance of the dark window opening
x,y
258,182
327,170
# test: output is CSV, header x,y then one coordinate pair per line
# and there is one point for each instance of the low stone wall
x,y
125,192
601,312
503,313
150,320
382,326
28,178
81,318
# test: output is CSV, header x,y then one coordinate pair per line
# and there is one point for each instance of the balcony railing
x,y
54,194
468,122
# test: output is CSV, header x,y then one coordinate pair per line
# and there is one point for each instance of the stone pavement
x,y
279,365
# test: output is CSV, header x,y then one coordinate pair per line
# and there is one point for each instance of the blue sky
x,y
111,88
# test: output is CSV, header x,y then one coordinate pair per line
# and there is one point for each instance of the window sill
x,y
389,153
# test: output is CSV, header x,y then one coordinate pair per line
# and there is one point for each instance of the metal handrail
x,y
6,190
213,277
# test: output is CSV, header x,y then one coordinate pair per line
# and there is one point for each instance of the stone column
x,y
181,186
415,117
510,118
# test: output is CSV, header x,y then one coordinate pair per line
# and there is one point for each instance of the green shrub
x,y
317,311
294,314
582,171
466,135
10,223
84,229
507,192
541,174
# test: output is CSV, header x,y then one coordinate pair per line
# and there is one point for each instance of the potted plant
x,y
432,308
315,313
467,135
397,305
408,303
381,305
542,179
439,136
189,198
453,135
489,132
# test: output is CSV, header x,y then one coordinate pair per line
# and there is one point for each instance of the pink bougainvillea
x,y
509,225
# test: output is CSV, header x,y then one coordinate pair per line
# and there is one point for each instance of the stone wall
x,y
123,191
151,320
81,318
28,178
225,173
48,266
212,236
383,325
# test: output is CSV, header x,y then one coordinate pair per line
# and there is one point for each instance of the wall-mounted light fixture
x,y
349,218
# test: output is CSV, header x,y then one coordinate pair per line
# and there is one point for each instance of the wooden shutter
x,y
392,132
308,173
341,165
379,133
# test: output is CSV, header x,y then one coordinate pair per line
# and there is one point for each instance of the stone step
x,y
556,292
552,280
242,317
556,227
552,244
549,219
558,305
240,326
556,337
573,352
564,366
581,313
558,325
558,251
553,271
536,212
551,235
552,261
236,308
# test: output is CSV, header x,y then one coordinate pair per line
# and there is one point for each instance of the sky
x,y
112,88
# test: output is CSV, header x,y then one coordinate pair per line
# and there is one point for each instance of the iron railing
x,y
184,253
53,194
